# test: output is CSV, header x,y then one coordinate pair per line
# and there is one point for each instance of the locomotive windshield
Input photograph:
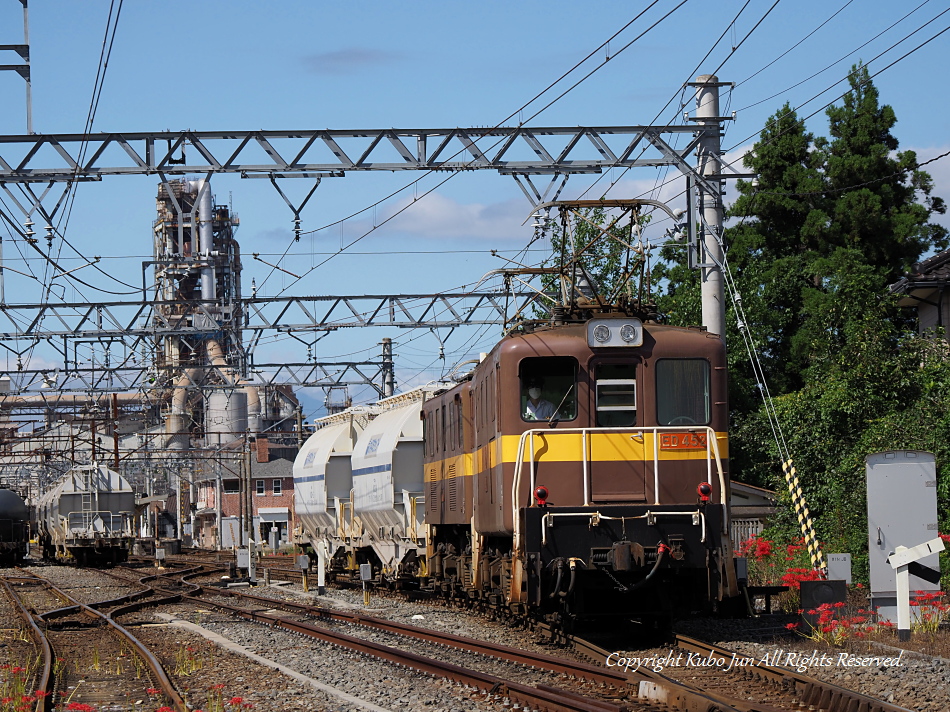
x,y
616,395
682,391
548,388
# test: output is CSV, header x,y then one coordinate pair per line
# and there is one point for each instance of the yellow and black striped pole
x,y
804,518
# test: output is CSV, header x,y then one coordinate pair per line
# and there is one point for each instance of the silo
x,y
225,417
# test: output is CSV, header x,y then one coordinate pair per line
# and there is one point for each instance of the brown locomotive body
x,y
582,470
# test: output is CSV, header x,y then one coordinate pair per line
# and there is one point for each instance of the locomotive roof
x,y
574,335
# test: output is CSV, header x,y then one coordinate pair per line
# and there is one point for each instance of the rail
x,y
155,667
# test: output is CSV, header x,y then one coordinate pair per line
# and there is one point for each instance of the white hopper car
x,y
358,487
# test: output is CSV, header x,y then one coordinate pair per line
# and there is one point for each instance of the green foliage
x,y
831,223
604,258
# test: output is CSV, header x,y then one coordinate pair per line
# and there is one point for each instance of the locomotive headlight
x,y
612,332
602,333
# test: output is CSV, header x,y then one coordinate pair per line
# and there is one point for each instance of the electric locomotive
x,y
579,471
582,472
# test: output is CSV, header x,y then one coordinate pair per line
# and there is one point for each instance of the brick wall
x,y
268,499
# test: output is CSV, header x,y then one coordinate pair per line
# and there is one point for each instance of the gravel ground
x,y
918,682
357,675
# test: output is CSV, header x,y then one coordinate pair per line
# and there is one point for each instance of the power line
x,y
511,115
841,58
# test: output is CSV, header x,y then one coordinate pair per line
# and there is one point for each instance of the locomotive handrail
x,y
712,454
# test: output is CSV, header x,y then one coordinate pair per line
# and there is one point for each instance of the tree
x,y
875,207
814,197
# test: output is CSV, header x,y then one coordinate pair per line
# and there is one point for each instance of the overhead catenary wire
x,y
832,101
832,64
907,36
660,181
498,125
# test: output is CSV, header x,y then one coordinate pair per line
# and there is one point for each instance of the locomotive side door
x,y
616,461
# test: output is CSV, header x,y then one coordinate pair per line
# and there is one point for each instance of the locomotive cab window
x,y
616,395
548,388
682,391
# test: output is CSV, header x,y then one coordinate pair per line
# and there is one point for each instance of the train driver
x,y
536,407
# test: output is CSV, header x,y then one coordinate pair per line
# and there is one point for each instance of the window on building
x,y
278,484
260,486
231,486
682,391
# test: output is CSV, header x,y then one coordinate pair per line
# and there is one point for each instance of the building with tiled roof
x,y
924,288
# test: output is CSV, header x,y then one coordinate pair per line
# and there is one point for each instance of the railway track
x,y
555,683
713,678
86,656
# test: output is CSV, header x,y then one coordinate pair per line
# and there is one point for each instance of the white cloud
x,y
437,216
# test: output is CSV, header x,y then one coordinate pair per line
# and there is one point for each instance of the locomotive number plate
x,y
682,441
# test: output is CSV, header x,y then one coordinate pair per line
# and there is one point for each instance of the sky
x,y
302,65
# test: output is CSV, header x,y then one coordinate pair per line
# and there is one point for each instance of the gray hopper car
x,y
87,516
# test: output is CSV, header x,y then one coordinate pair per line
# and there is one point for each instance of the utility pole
x,y
388,370
710,203
115,432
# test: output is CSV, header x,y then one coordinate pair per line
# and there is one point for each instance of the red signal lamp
x,y
704,490
541,494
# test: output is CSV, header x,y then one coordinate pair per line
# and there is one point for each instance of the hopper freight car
x,y
87,516
358,485
14,528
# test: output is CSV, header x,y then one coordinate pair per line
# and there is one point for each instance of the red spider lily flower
x,y
791,626
859,585
235,701
80,707
6,700
27,698
153,691
840,604
40,694
858,634
165,709
219,686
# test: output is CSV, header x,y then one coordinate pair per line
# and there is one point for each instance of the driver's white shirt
x,y
543,410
